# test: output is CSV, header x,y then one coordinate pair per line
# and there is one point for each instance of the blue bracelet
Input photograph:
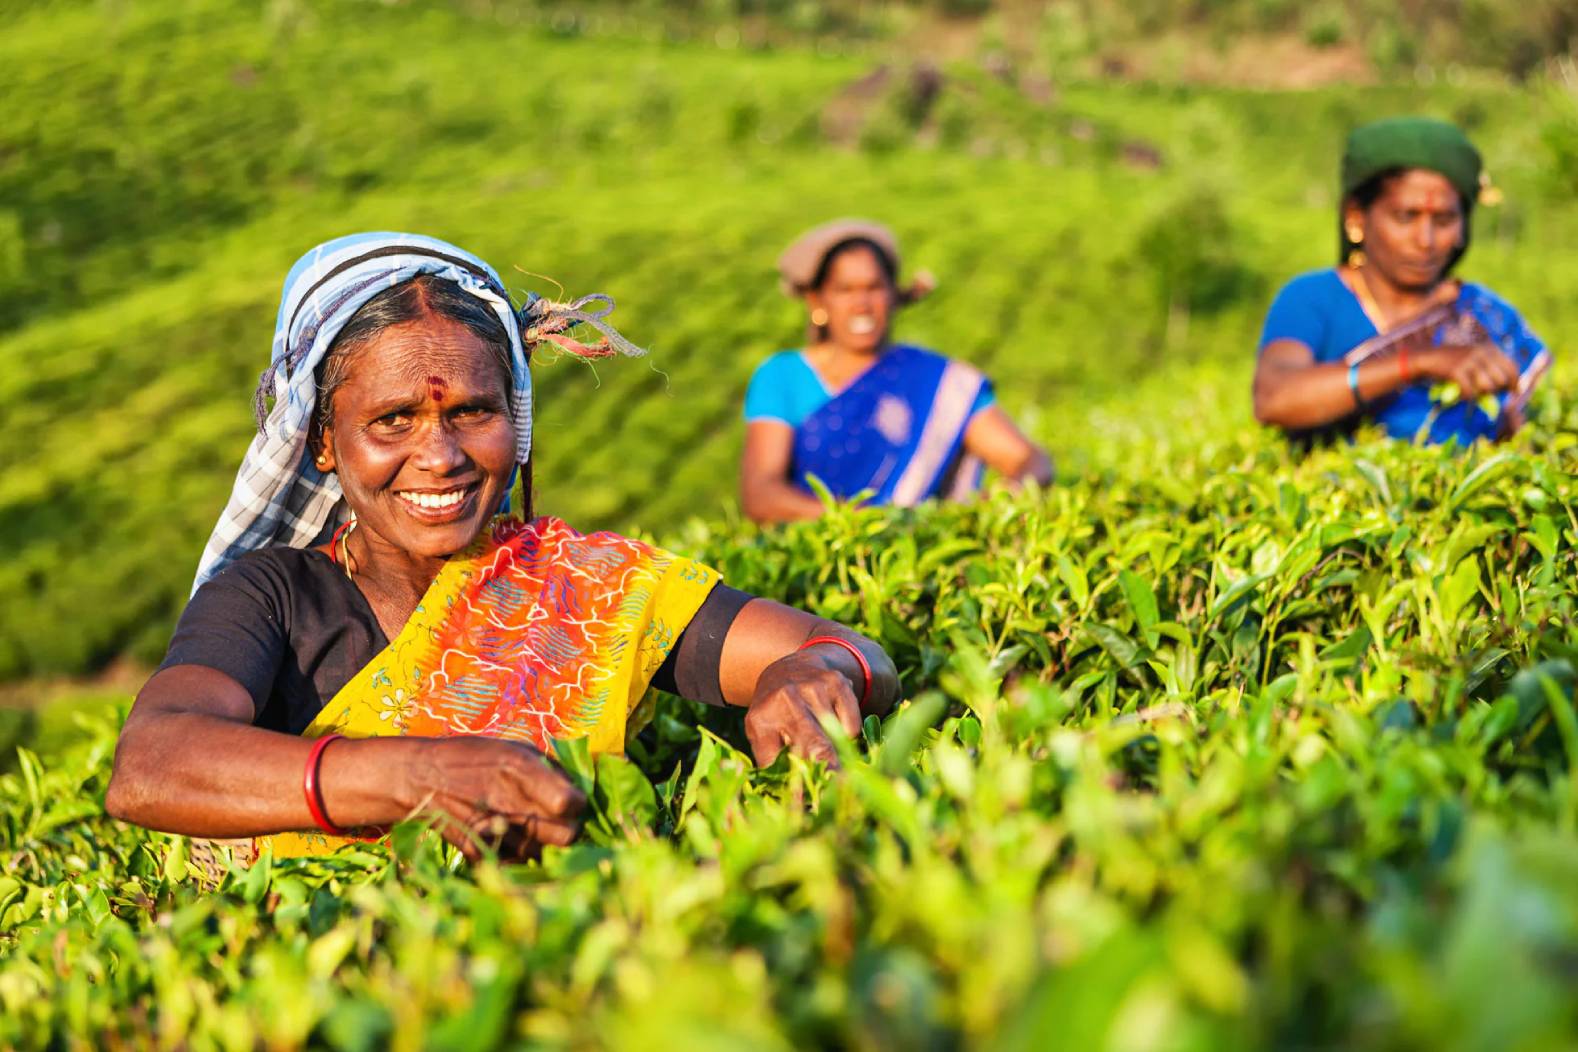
x,y
1353,385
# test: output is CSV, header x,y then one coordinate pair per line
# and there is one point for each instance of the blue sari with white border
x,y
896,432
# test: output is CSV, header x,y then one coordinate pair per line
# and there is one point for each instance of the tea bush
x,y
1255,752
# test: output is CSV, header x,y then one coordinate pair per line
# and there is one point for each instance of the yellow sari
x,y
535,632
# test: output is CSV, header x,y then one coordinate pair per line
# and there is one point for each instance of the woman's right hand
x,y
189,761
1477,370
487,792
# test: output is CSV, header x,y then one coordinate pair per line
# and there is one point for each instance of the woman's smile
x,y
445,505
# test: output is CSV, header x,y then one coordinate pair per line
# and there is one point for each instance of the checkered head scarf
x,y
280,497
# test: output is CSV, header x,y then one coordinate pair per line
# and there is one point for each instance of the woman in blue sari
x,y
897,423
1388,336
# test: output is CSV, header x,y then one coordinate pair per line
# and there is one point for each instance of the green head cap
x,y
1410,142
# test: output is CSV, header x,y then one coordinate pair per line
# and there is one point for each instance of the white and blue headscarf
x,y
280,497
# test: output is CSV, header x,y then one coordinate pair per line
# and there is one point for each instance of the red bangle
x,y
865,667
1402,363
314,792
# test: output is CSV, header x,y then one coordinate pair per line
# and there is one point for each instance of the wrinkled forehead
x,y
428,352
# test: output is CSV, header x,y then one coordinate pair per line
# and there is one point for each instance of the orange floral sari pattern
x,y
533,633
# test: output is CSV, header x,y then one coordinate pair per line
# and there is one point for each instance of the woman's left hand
x,y
783,665
793,696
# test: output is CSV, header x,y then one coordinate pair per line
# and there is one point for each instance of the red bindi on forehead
x,y
437,388
1425,192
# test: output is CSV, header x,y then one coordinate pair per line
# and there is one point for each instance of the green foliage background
x,y
1230,749
157,185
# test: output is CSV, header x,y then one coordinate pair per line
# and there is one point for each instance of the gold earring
x,y
818,317
323,460
343,536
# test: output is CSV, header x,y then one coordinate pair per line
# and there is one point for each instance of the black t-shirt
x,y
290,627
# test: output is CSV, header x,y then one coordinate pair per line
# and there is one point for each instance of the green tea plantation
x,y
1210,745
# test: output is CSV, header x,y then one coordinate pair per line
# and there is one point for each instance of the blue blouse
x,y
1320,311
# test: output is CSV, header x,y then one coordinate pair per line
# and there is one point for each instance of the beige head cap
x,y
798,264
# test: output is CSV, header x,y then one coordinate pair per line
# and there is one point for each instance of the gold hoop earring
x,y
818,317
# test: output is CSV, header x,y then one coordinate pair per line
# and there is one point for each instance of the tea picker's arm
x,y
791,669
766,493
997,441
1294,392
190,761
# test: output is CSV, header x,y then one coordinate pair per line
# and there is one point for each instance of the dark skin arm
x,y
1293,392
175,770
175,766
766,493
992,436
789,690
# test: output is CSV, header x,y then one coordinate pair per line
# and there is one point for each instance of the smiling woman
x,y
860,414
366,586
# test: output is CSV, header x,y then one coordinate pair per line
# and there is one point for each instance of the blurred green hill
x,y
1106,226
1182,37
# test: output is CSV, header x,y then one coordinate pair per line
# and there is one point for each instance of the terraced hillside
x,y
157,186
